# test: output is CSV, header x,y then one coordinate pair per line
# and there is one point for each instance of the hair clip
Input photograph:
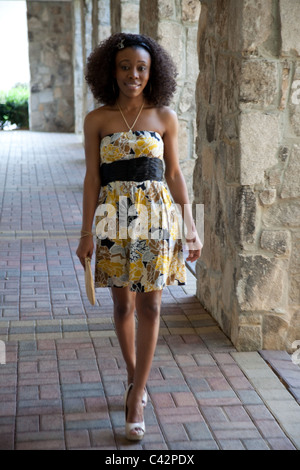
x,y
121,44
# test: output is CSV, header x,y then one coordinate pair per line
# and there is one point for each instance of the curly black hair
x,y
101,67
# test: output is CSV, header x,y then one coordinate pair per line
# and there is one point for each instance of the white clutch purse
x,y
89,281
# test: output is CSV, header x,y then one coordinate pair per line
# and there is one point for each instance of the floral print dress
x,y
138,228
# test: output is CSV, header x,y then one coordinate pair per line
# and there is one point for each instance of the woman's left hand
x,y
194,246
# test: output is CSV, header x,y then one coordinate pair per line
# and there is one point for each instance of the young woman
x,y
130,145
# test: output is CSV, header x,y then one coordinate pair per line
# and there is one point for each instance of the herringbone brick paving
x,y
63,382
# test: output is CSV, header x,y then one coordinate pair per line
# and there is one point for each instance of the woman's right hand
x,y
85,249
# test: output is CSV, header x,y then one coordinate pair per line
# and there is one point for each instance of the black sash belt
x,y
136,169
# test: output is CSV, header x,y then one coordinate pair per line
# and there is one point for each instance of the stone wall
x,y
247,173
174,25
50,34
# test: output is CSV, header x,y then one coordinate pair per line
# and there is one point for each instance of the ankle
x,y
137,393
130,379
130,376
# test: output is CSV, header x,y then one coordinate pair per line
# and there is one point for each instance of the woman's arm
x,y
91,186
177,185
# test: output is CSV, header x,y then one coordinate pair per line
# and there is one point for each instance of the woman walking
x,y
130,145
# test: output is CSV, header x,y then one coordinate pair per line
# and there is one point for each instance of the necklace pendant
x,y
130,131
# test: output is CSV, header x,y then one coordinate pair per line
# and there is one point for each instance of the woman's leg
x,y
124,306
148,312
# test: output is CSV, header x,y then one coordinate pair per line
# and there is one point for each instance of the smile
x,y
132,86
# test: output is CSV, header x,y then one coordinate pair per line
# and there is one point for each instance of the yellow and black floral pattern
x,y
138,229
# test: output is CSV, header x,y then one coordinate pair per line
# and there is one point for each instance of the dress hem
x,y
103,286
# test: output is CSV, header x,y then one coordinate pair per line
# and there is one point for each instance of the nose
x,y
133,73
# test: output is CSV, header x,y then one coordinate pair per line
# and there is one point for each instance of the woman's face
x,y
132,70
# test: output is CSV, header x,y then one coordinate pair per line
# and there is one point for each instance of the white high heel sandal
x,y
139,428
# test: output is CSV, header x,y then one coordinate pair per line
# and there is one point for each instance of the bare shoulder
x,y
95,120
166,113
168,117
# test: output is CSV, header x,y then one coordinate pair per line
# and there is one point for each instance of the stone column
x,y
104,19
247,173
91,25
174,25
78,63
50,56
125,16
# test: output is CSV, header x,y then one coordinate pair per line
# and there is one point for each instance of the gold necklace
x,y
130,128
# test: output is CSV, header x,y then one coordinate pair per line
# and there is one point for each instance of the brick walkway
x,y
64,377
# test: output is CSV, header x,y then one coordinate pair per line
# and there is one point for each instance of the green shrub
x,y
14,107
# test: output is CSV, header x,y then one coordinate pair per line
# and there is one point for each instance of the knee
x,y
151,311
123,310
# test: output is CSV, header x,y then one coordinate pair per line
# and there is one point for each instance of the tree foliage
x,y
14,107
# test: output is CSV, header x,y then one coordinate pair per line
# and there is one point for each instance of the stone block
x,y
183,140
187,168
290,14
172,37
246,214
294,293
210,126
267,197
231,155
204,293
190,10
187,100
250,318
259,83
284,214
249,338
295,258
259,139
228,284
46,96
291,182
295,117
274,328
130,17
276,241
207,164
191,55
257,24
262,283
65,53
166,9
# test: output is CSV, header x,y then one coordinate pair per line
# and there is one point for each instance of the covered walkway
x,y
63,381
